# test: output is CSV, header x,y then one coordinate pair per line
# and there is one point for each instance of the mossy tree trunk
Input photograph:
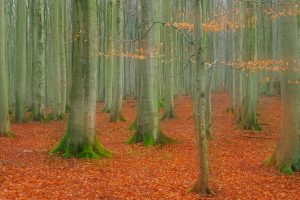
x,y
287,154
80,139
148,131
40,58
21,61
201,186
4,114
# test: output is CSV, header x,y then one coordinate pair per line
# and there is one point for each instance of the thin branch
x,y
187,64
178,29
212,64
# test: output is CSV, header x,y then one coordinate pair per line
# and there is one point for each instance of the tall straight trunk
x,y
21,61
287,154
39,63
201,185
148,130
249,119
117,62
108,51
4,114
49,88
237,74
62,52
101,75
10,30
170,62
56,61
30,46
68,35
230,57
81,139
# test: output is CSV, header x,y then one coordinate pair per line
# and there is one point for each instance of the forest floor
x,y
27,171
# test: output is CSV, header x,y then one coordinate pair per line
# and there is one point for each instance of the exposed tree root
x,y
106,109
8,134
198,189
133,125
169,115
285,168
117,118
250,125
148,139
52,117
70,148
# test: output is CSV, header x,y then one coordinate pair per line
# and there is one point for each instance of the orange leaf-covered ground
x,y
27,171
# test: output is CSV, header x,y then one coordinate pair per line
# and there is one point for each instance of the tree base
x,y
148,140
133,126
285,168
52,117
8,134
37,117
250,125
69,149
206,191
168,115
117,118
106,110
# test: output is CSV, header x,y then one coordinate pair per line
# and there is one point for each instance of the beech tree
x,y
56,61
4,114
287,153
40,61
147,125
21,61
169,62
108,50
81,139
201,185
249,118
117,62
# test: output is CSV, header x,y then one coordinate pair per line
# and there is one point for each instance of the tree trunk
x,y
21,61
249,119
287,154
170,62
148,130
81,139
201,185
62,52
56,62
117,63
4,114
40,58
108,51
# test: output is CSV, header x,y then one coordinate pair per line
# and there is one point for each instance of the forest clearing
x,y
149,99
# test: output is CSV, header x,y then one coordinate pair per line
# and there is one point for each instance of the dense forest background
x,y
200,82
